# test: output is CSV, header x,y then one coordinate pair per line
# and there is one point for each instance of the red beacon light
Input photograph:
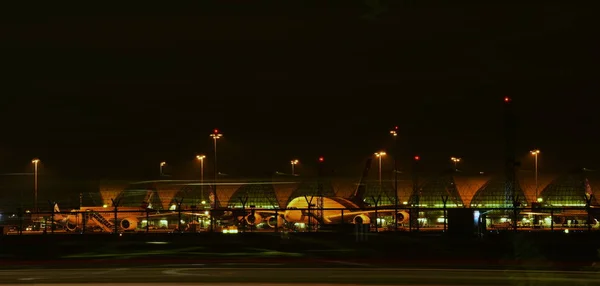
x,y
321,159
506,99
216,131
417,158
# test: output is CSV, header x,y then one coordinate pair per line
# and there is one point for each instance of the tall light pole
x,y
416,191
535,154
380,155
201,159
455,160
161,166
394,133
294,163
35,183
215,136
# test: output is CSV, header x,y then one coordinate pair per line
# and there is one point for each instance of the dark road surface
x,y
200,273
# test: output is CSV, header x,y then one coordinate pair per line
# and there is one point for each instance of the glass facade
x,y
91,199
136,198
259,195
311,188
497,193
568,191
434,190
193,195
384,193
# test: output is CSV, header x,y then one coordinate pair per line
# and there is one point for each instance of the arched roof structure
x,y
434,190
344,187
474,190
468,185
108,191
189,194
384,193
571,190
310,188
136,198
92,199
260,195
496,193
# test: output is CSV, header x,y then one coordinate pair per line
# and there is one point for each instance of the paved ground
x,y
194,273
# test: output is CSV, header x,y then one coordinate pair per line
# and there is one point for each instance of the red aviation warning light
x,y
321,159
216,131
507,99
417,158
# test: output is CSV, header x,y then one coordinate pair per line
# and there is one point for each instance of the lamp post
x,y
294,163
394,134
535,154
455,160
215,136
35,183
161,166
380,155
416,191
201,159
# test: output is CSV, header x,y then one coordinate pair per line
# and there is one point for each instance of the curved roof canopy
x,y
258,195
434,191
313,188
137,197
193,194
572,190
384,193
498,193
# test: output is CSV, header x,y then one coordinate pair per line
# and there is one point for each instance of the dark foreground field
x,y
185,275
555,251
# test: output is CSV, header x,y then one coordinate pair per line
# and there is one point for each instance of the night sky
x,y
112,93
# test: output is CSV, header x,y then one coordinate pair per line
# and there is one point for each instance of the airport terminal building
x,y
476,191
429,194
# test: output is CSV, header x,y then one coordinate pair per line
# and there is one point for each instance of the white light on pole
x,y
455,160
161,166
201,159
35,163
380,155
535,154
394,134
215,136
294,163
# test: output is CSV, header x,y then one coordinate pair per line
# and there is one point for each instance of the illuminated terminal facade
x,y
456,189
426,199
477,191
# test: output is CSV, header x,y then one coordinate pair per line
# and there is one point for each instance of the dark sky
x,y
111,93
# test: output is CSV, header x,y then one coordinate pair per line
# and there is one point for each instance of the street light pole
x,y
416,191
395,135
215,136
455,160
535,155
35,183
201,159
380,155
294,163
162,165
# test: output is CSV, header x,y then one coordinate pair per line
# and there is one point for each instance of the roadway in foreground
x,y
200,273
